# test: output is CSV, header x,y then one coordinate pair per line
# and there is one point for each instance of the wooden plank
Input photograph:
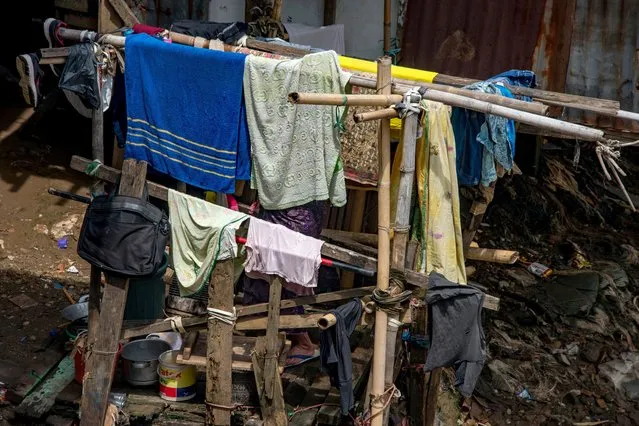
x,y
94,302
101,362
40,401
306,300
189,343
272,328
431,399
220,347
273,411
416,384
124,12
108,19
329,11
97,134
75,5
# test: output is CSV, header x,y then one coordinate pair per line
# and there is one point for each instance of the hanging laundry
x,y
456,335
276,250
295,148
335,351
201,234
484,139
436,219
181,119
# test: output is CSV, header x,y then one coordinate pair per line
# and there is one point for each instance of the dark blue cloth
x,y
185,112
118,109
481,139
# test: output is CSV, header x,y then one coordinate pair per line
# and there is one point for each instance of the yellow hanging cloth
x,y
436,220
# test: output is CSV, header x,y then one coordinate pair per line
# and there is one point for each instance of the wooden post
x,y
383,261
265,368
277,10
97,133
417,400
94,303
329,11
357,219
431,396
405,191
101,360
387,26
219,347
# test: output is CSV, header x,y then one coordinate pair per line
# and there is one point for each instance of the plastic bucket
x,y
177,382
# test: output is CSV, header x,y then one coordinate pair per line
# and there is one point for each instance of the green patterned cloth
x,y
295,149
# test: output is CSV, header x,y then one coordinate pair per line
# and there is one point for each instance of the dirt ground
x,y
31,264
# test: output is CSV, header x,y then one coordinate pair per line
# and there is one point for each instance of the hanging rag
x,y
201,234
295,148
436,219
335,351
273,249
456,334
181,119
483,139
80,75
307,220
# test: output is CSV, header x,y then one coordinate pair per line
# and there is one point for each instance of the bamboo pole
x,y
379,114
531,107
387,26
563,127
605,107
507,257
383,261
350,100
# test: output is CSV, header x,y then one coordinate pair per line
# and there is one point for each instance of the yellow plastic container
x,y
177,382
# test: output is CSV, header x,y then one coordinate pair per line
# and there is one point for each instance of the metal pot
x,y
140,361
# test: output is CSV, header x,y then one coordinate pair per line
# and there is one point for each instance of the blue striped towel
x,y
185,112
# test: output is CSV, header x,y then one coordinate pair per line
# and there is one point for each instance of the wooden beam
x,y
102,357
124,11
219,347
431,396
267,378
94,303
189,343
329,11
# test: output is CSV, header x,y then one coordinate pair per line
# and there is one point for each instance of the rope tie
x,y
410,104
92,167
176,324
223,316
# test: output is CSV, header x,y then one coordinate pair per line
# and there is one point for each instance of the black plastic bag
x,y
80,74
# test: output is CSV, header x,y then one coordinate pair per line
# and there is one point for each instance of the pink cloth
x,y
146,29
276,250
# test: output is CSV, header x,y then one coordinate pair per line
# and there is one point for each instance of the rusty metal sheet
x,y
474,39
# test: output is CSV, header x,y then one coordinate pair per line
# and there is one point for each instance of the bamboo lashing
x,y
563,127
383,258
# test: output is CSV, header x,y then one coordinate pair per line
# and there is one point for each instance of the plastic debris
x,y
540,270
73,270
63,243
524,394
41,229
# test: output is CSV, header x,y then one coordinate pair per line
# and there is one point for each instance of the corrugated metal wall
x,y
584,47
475,39
603,58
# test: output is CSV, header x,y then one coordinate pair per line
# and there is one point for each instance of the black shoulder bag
x,y
124,235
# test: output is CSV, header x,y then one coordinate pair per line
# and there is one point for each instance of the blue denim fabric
x,y
466,126
521,78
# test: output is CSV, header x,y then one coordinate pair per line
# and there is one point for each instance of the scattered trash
x,y
524,394
23,301
64,227
73,270
624,374
24,339
57,285
25,324
2,244
63,243
41,229
3,391
11,258
540,270
118,399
